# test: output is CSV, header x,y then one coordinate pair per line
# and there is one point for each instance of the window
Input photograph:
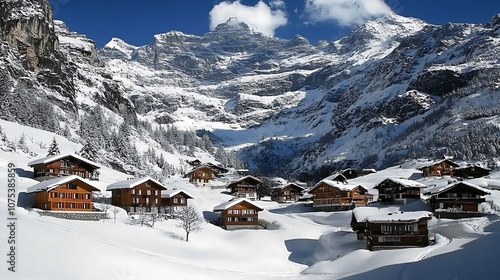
x,y
65,164
147,200
175,199
389,239
139,192
133,191
135,200
156,200
61,195
85,206
148,192
71,186
87,196
156,192
183,200
59,205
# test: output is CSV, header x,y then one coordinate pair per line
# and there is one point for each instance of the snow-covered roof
x,y
49,159
54,183
201,167
289,184
362,213
405,183
170,193
441,189
128,184
226,205
244,178
336,175
341,186
399,216
432,163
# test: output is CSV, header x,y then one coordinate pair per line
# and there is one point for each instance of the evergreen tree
x,y
54,148
88,151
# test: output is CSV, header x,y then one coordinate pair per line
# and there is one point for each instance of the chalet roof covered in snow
x,y
399,216
51,184
226,205
362,213
336,184
293,185
128,184
405,183
441,189
246,178
171,193
53,158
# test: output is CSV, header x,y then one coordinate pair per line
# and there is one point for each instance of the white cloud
x,y
345,12
266,18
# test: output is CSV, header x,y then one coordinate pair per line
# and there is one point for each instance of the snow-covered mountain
x,y
393,89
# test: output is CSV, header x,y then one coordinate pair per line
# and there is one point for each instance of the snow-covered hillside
x,y
298,244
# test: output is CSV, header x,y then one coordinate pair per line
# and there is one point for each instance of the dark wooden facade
x,y
245,187
201,176
72,195
398,191
457,197
440,168
238,214
328,195
287,193
145,193
394,234
174,201
64,165
471,171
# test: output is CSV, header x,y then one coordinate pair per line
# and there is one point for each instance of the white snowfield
x,y
298,244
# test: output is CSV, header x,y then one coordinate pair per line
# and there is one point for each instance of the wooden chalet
x,y
173,200
201,176
194,163
397,230
456,200
245,187
238,213
133,194
439,168
471,171
331,196
349,173
64,165
398,191
286,193
68,193
360,215
220,169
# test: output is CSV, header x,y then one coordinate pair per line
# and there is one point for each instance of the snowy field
x,y
299,244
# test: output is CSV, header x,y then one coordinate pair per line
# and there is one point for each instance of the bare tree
x,y
142,215
105,208
154,214
190,220
115,210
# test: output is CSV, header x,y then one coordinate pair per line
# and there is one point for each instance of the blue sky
x,y
137,21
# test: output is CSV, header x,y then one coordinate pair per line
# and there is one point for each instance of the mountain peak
x,y
494,21
233,24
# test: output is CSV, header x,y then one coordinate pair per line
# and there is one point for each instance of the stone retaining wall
x,y
81,216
